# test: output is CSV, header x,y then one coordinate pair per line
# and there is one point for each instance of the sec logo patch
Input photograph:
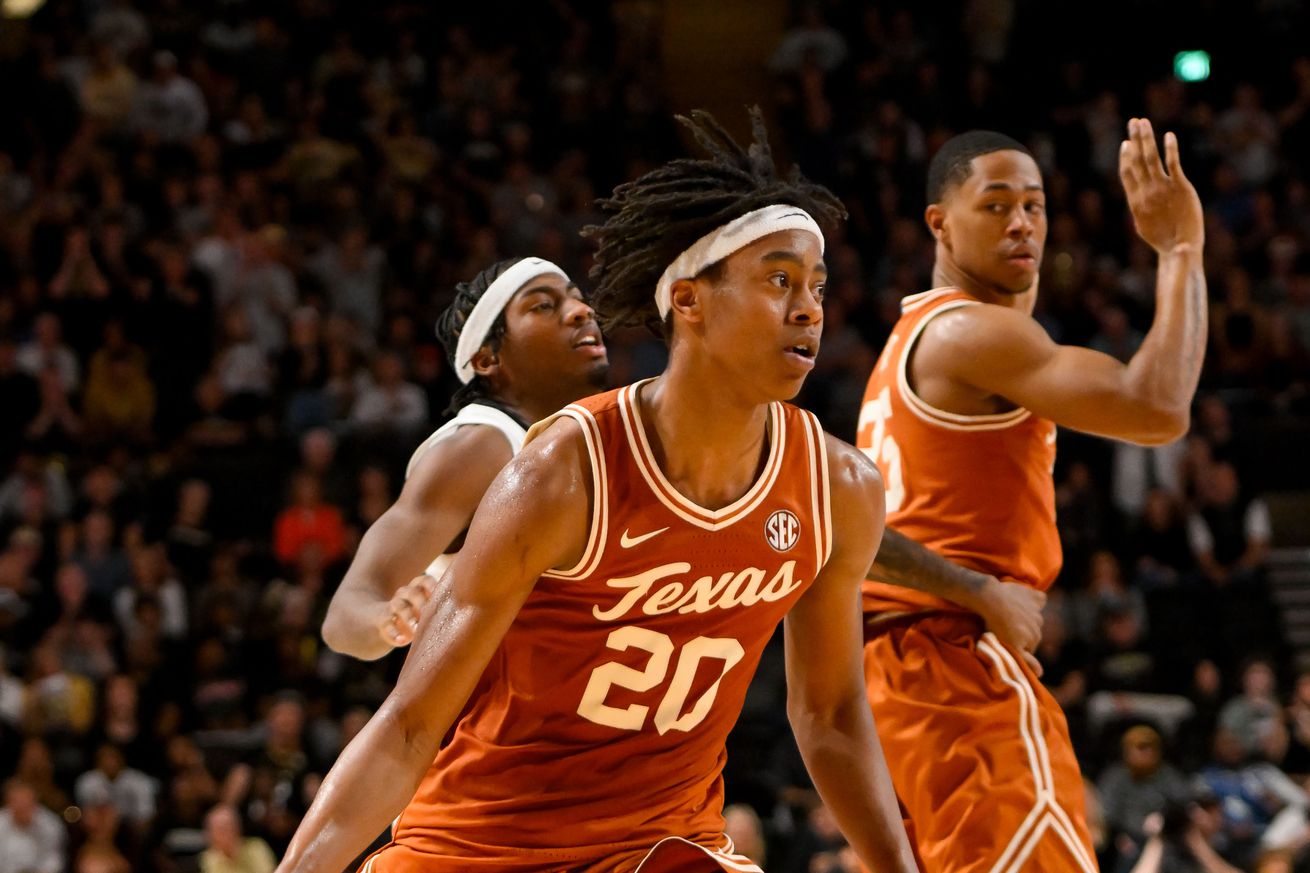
x,y
782,530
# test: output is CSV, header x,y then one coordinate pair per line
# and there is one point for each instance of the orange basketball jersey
x,y
599,726
974,488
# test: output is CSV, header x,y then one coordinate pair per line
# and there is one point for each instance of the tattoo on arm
x,y
901,561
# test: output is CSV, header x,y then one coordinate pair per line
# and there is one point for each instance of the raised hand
x,y
1164,204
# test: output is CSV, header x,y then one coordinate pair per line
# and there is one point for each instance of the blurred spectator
x,y
1182,839
153,580
389,404
120,397
308,520
121,27
1159,545
743,827
130,791
36,768
1249,715
1140,784
48,351
1229,531
170,106
31,837
109,90
229,851
352,270
21,396
1263,810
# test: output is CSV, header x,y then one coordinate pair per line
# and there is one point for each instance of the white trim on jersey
x,y
474,413
820,489
679,504
915,301
1046,812
595,547
725,856
826,484
940,417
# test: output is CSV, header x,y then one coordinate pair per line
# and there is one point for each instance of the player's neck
x,y
709,445
532,408
947,274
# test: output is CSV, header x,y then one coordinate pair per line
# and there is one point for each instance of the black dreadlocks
x,y
653,219
450,324
953,163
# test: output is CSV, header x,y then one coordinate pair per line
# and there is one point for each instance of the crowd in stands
x,y
226,230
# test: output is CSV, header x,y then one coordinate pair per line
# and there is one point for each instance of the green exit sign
x,y
1192,66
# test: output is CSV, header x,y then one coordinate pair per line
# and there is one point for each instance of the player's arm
x,y
377,606
1006,353
826,701
534,517
1011,610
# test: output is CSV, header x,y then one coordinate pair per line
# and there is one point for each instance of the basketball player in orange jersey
x,y
960,415
623,574
524,343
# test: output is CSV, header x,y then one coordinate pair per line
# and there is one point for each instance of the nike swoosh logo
x,y
628,542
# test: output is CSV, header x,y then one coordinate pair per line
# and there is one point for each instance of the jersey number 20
x,y
669,715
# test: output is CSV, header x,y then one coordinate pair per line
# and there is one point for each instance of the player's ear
x,y
486,362
685,296
935,217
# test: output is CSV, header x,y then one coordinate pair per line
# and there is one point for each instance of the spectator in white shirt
x,y
170,105
31,836
130,791
47,350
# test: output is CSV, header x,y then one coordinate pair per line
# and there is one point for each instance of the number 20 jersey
x,y
977,489
602,718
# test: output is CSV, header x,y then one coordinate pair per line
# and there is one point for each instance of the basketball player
x,y
524,343
622,575
960,415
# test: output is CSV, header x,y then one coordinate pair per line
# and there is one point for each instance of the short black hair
x,y
953,162
450,324
653,219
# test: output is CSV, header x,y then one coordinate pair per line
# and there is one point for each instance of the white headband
x,y
731,237
489,307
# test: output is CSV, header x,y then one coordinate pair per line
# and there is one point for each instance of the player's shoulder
x,y
467,449
851,475
962,334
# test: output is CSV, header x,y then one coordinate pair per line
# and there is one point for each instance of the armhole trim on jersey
x,y
940,417
923,298
600,490
820,489
474,414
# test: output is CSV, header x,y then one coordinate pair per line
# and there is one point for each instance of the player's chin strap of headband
x,y
731,237
489,307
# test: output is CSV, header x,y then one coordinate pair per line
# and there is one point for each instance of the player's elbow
x,y
813,718
1162,425
341,638
335,635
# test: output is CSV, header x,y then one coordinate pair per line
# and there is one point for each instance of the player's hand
x,y
1013,611
401,619
1164,204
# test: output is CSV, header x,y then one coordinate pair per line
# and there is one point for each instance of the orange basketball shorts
x,y
978,749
